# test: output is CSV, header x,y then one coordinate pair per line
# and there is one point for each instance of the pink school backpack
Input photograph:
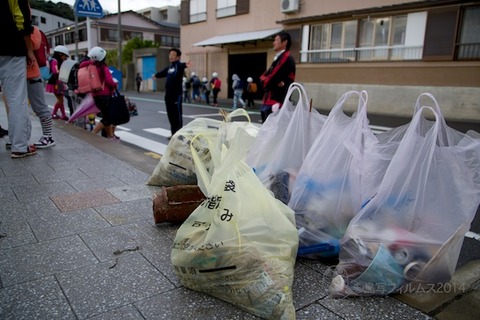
x,y
89,79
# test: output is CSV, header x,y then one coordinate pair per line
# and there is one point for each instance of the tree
x,y
135,43
59,9
112,58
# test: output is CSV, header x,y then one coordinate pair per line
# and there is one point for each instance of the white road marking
x,y
159,131
379,128
472,235
142,142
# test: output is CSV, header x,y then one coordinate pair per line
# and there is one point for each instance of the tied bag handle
x,y
236,113
433,134
287,106
302,95
443,136
337,110
361,115
204,177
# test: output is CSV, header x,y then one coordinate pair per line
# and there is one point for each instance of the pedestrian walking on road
x,y
138,80
251,90
206,90
216,84
196,85
237,87
186,90
173,88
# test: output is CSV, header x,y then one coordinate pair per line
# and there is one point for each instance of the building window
x,y
198,10
34,20
69,37
82,34
167,41
59,39
108,35
226,8
469,42
128,35
378,36
332,42
43,20
387,38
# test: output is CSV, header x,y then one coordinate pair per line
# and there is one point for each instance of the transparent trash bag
x,y
305,125
412,231
264,148
330,187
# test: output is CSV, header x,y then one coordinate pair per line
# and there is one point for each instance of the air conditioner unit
x,y
287,6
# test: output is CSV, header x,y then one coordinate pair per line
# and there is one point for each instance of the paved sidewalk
x,y
77,241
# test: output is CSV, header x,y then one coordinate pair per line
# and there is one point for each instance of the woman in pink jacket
x,y
102,97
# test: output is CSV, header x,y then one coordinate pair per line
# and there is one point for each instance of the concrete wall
x,y
456,103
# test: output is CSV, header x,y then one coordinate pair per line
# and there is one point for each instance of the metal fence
x,y
386,53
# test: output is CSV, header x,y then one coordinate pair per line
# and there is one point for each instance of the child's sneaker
x,y
31,150
54,116
8,145
44,142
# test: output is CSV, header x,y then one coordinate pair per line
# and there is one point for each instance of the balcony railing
x,y
468,51
394,53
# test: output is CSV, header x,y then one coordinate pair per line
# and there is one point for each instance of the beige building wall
x,y
392,86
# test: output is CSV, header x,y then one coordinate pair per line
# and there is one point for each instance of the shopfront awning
x,y
237,38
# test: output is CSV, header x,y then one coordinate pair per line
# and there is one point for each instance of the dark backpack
x,y
196,83
239,84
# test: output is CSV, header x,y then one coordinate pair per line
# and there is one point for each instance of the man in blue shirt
x,y
173,88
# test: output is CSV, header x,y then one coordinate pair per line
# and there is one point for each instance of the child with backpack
x,y
102,96
54,85
251,90
237,87
216,84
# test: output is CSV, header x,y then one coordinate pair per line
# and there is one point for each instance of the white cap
x,y
214,74
204,79
61,49
249,79
97,54
193,74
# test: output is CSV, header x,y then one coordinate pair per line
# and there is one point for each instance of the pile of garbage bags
x,y
392,207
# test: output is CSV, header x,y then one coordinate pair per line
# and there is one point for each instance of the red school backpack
x,y
42,53
89,79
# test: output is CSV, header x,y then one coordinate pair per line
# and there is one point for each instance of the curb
x,y
457,299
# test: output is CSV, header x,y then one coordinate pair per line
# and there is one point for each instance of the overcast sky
x,y
112,5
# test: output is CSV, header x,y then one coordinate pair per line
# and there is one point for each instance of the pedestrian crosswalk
x,y
144,143
160,148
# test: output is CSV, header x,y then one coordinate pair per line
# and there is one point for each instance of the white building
x,y
48,22
168,14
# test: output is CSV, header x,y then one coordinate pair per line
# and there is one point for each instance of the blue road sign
x,y
88,8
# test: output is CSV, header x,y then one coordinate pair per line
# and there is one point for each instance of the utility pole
x,y
119,38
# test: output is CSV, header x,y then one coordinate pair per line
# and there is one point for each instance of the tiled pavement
x,y
77,241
